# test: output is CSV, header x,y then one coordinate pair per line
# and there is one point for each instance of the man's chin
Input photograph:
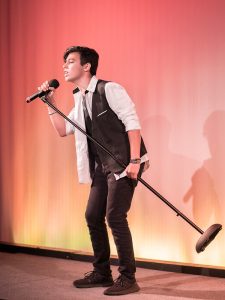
x,y
67,79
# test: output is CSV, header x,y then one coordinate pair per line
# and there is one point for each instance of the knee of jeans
x,y
115,221
89,218
93,219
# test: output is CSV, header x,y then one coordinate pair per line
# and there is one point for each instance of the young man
x,y
105,111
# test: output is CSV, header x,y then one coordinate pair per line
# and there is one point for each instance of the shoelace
x,y
90,274
120,281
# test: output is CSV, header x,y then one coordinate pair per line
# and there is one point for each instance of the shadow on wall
x,y
169,174
207,191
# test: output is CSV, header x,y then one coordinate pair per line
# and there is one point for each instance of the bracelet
x,y
135,161
54,112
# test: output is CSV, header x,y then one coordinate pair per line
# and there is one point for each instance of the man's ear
x,y
87,67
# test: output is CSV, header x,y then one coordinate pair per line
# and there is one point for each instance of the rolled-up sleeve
x,y
69,127
120,102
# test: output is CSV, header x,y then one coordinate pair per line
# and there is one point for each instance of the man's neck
x,y
83,83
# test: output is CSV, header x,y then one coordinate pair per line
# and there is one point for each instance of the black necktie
x,y
91,146
87,118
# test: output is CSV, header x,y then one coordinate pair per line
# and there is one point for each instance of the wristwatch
x,y
135,161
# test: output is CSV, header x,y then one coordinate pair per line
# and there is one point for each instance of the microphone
x,y
52,83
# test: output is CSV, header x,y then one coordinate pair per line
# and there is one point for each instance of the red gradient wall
x,y
169,55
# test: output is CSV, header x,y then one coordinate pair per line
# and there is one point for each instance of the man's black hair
x,y
87,55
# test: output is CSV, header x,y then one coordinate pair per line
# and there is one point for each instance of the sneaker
x,y
122,286
93,279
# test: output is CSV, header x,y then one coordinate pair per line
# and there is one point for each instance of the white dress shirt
x,y
119,101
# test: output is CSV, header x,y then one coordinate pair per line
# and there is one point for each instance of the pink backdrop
x,y
169,55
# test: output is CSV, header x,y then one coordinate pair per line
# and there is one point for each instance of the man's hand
x,y
45,87
132,170
135,143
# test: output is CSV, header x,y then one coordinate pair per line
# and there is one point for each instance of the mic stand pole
x,y
206,237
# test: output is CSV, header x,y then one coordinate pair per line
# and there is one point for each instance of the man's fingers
x,y
131,175
45,86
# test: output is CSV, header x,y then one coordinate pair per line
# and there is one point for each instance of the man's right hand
x,y
45,87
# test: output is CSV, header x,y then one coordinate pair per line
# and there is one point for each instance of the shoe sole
x,y
80,286
132,289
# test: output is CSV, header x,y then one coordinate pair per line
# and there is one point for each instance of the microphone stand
x,y
206,237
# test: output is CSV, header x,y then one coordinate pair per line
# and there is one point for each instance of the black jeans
x,y
110,199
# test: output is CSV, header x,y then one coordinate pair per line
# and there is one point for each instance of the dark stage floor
x,y
28,277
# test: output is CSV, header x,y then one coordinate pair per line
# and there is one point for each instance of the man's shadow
x,y
163,233
207,191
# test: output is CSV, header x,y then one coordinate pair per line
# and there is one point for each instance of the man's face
x,y
73,70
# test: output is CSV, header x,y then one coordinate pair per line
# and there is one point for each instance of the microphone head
x,y
54,83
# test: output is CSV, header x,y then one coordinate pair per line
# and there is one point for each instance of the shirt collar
x,y
91,87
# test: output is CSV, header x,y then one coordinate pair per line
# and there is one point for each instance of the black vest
x,y
108,130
